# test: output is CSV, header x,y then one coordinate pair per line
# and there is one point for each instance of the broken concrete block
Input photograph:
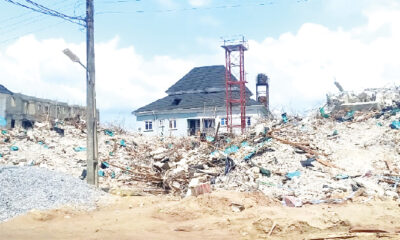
x,y
201,189
291,201
237,207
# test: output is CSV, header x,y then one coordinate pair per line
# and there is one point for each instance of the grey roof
x,y
5,90
191,100
201,87
202,79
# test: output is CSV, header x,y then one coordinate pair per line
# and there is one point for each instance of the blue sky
x,y
142,47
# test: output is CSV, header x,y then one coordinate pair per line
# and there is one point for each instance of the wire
x,y
44,10
28,21
34,31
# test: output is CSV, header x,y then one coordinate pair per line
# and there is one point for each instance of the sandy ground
x,y
207,216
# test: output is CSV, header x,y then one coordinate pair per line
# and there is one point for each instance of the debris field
x,y
347,151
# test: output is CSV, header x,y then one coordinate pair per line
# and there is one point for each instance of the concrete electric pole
x,y
92,148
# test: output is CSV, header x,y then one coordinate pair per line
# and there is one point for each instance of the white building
x,y
196,103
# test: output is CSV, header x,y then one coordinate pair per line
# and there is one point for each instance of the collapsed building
x,y
19,110
197,103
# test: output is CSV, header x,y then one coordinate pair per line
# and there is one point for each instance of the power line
x,y
47,11
25,19
7,28
34,31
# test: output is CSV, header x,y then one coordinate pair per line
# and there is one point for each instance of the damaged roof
x,y
5,90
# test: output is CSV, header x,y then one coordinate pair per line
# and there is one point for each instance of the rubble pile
x,y
343,152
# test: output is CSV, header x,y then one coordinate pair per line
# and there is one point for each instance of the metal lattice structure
x,y
235,90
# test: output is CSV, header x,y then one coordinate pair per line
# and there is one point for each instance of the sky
x,y
143,47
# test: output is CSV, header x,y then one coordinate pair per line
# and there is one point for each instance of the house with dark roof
x,y
19,110
196,103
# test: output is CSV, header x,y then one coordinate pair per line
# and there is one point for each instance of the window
x,y
248,122
176,101
223,121
172,124
148,125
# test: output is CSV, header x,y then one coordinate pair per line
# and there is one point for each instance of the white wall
x,y
3,102
182,123
158,130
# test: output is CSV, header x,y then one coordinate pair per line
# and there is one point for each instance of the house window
x,y
223,121
176,102
248,121
148,125
172,124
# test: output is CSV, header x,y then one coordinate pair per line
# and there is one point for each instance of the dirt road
x,y
206,217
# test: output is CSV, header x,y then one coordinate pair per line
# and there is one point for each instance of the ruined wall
x,y
20,108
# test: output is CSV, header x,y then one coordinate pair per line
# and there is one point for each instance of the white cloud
x,y
124,79
302,66
199,3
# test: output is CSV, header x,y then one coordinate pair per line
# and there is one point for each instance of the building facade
x,y
195,104
19,110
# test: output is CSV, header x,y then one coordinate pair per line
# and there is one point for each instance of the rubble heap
x,y
336,155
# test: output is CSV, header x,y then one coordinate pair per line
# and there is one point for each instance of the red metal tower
x,y
234,58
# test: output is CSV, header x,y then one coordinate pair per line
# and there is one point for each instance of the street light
x,y
91,124
73,57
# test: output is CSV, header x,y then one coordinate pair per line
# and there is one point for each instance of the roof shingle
x,y
201,87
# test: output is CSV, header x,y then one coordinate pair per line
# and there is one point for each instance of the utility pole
x,y
92,149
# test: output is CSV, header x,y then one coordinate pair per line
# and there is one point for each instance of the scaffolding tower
x,y
234,60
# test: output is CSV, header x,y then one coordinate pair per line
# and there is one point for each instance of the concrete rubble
x,y
347,151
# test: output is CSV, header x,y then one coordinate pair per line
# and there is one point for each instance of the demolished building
x,y
19,110
196,103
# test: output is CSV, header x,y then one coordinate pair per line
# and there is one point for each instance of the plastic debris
x,y
342,176
284,117
4,132
348,117
14,148
209,139
109,132
231,149
229,165
395,125
58,130
323,114
244,144
307,163
122,143
83,174
101,173
249,156
104,165
265,172
292,175
79,149
112,174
